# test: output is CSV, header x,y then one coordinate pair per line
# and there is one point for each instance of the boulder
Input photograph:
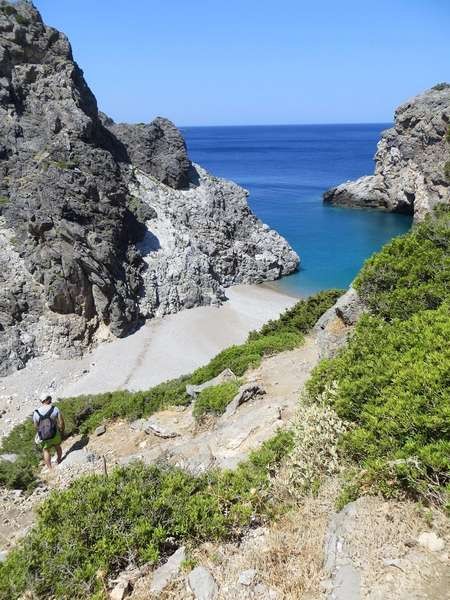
x,y
100,430
157,148
223,377
201,583
333,327
152,425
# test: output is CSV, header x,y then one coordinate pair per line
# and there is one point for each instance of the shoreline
x,y
162,349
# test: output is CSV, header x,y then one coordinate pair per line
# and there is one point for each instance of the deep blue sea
x,y
286,170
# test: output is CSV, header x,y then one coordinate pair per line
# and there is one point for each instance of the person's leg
x,y
58,453
47,458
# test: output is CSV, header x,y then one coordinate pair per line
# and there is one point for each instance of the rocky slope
x,y
410,161
103,224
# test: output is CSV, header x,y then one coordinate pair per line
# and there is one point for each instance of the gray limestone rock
x,y
158,149
100,430
333,327
164,574
246,392
410,159
344,577
201,583
248,577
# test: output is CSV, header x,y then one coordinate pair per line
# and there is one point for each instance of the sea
x,y
286,169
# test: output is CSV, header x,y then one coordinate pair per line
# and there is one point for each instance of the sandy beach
x,y
162,349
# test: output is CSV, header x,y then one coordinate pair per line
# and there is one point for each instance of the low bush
x,y
214,400
392,383
301,317
412,272
240,358
99,525
316,433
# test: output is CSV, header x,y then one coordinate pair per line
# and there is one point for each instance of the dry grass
x,y
287,555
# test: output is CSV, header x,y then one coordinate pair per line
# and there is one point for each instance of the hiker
x,y
49,424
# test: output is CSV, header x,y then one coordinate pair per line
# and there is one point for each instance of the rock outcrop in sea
x,y
103,224
410,172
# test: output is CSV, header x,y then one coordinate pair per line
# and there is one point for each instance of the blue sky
x,y
223,62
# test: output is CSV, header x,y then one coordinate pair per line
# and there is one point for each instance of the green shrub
x,y
8,9
3,200
392,382
136,515
412,272
214,400
301,317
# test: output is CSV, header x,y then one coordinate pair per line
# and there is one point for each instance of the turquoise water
x,y
286,169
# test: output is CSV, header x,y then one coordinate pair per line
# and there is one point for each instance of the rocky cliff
x,y
410,173
102,225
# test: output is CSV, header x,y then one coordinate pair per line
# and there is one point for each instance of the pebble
x,y
101,429
430,541
248,577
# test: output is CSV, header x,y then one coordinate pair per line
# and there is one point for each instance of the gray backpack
x,y
46,425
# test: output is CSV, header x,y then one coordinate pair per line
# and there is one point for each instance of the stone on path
x,y
101,429
164,574
430,541
248,577
202,584
121,590
152,425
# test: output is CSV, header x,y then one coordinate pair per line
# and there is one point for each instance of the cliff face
x,y
79,196
410,161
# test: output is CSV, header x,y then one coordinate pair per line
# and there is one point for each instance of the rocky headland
x,y
103,225
410,163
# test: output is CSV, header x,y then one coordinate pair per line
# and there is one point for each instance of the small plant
x,y
3,200
447,170
214,400
64,164
9,10
22,20
441,86
316,433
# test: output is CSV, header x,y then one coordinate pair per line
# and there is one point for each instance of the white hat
x,y
45,396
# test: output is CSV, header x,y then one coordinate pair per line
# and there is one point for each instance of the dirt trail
x,y
224,442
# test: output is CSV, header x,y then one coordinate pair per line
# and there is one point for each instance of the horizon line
x,y
291,124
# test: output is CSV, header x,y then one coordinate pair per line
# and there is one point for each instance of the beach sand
x,y
160,350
